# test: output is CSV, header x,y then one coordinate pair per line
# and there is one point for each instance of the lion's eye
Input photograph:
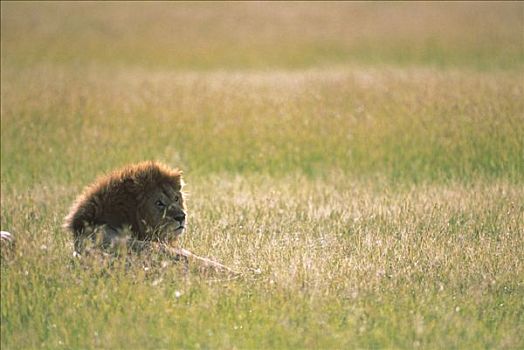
x,y
176,198
160,204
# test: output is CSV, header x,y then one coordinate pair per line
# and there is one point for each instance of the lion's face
x,y
164,214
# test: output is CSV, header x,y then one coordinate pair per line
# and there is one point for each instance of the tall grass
x,y
407,125
361,164
327,263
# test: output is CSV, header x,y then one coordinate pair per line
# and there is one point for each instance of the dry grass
x,y
361,164
326,263
405,124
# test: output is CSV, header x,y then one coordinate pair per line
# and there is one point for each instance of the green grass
x,y
361,163
408,125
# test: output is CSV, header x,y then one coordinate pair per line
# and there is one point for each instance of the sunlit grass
x,y
407,125
327,263
362,165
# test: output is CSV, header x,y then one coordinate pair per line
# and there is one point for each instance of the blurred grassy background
x,y
405,125
264,35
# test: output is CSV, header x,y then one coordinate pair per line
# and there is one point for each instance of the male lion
x,y
136,205
134,208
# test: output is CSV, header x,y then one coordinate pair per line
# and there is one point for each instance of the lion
x,y
137,208
136,205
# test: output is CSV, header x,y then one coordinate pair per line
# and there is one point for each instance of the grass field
x,y
362,165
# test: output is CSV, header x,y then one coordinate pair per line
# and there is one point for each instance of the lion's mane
x,y
117,198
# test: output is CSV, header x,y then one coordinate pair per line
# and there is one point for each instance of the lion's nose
x,y
180,217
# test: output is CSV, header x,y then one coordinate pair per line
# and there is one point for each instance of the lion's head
x,y
147,197
162,211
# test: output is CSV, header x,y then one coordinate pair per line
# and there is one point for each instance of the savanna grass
x,y
326,263
360,164
482,35
407,125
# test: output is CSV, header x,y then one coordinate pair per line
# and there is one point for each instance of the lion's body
x,y
143,199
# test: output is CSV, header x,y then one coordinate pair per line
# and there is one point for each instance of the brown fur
x,y
119,205
122,200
